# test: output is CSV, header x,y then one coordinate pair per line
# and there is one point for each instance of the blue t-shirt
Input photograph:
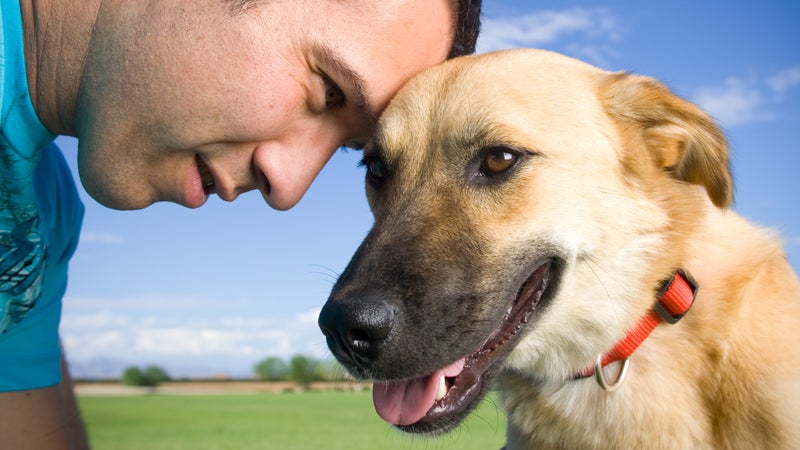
x,y
40,219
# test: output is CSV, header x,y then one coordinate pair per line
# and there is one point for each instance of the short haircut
x,y
468,24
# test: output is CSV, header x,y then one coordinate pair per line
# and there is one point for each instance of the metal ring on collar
x,y
601,380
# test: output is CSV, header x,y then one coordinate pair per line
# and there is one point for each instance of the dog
x,y
564,233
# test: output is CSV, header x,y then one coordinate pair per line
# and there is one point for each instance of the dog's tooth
x,y
442,390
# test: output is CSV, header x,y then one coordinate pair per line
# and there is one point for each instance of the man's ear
x,y
681,138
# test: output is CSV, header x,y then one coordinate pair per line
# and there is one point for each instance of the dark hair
x,y
467,18
468,25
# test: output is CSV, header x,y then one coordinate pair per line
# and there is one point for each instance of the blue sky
x,y
214,290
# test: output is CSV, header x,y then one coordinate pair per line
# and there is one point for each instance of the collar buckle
x,y
676,297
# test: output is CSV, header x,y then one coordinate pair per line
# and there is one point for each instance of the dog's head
x,y
526,206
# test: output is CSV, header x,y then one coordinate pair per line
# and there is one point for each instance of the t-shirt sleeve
x,y
34,256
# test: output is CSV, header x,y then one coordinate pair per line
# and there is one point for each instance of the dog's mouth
x,y
437,402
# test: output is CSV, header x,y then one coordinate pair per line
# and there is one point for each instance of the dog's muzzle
x,y
425,391
356,330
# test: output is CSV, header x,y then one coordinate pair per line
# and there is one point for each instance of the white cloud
x,y
543,28
740,101
784,80
181,338
735,102
596,54
101,238
310,317
210,341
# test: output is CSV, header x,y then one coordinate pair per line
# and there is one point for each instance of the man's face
x,y
183,99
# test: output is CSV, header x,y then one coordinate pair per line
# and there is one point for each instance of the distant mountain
x,y
97,369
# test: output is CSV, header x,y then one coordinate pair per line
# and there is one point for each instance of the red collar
x,y
674,299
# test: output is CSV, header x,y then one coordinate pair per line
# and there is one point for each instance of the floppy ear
x,y
682,139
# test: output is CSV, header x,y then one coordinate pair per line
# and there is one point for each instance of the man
x,y
174,101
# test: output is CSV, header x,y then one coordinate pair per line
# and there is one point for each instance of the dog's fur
x,y
618,183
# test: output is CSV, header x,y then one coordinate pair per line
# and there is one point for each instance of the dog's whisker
x,y
324,277
592,265
327,273
613,192
497,409
328,269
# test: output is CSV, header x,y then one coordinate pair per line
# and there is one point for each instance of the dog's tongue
x,y
406,402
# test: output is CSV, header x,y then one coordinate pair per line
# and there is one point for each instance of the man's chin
x,y
127,201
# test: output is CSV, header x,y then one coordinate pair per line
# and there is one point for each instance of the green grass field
x,y
313,420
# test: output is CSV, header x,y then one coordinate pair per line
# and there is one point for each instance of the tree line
x,y
299,369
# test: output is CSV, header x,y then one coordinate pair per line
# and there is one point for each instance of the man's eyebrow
x,y
358,86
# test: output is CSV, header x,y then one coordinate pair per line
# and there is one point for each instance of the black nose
x,y
356,331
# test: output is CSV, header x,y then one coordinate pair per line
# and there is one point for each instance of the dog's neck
x,y
675,297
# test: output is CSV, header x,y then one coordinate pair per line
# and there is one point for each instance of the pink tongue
x,y
406,402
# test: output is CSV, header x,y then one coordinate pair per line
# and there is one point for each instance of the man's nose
x,y
290,167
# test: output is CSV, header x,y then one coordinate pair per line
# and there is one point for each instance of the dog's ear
x,y
682,138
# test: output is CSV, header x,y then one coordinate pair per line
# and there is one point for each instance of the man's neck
x,y
56,35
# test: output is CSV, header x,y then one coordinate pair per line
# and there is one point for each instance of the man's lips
x,y
198,184
209,183
206,177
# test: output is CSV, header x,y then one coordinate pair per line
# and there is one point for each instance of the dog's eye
x,y
375,168
497,161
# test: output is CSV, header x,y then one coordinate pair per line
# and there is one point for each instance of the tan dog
x,y
529,212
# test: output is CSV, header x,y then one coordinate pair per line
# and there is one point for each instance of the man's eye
x,y
334,97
